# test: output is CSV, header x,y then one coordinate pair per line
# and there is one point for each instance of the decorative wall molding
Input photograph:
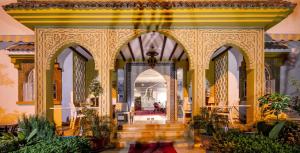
x,y
104,45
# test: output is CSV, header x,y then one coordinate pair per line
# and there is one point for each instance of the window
x,y
28,87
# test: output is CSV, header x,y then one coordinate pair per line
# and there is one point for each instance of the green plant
x,y
273,104
274,133
290,134
209,121
101,127
236,142
9,142
58,145
95,88
35,128
264,127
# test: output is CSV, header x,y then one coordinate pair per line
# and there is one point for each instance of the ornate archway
x,y
105,44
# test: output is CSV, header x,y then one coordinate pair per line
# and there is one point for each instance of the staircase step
x,y
153,126
170,132
153,134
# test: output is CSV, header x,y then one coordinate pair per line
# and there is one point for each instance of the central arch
x,y
170,56
139,32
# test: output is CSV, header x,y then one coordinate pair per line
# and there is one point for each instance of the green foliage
x,y
273,104
58,145
235,142
290,134
274,133
8,146
35,128
101,127
209,121
264,127
9,142
95,88
94,125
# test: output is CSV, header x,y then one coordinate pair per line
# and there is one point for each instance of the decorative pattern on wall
x,y
104,45
79,79
221,79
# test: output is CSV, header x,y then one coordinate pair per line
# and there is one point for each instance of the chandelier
x,y
152,60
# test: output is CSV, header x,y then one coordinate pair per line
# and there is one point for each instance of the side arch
x,y
59,48
242,49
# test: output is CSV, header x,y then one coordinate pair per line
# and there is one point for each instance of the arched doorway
x,y
72,70
227,85
153,51
150,97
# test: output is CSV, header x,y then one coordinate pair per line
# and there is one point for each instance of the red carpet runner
x,y
152,148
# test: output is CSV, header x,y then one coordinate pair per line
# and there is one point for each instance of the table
x,y
229,107
75,115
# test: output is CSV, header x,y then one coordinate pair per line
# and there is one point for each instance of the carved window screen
x,y
79,71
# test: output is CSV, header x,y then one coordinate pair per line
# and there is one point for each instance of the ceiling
x,y
166,48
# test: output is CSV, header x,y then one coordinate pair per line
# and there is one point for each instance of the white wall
x,y
66,63
235,59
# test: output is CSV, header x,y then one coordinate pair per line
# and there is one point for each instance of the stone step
x,y
132,133
150,133
169,126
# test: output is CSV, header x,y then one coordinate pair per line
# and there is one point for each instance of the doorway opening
x,y
150,97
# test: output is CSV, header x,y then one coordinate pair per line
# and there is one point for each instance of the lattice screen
x,y
79,78
221,79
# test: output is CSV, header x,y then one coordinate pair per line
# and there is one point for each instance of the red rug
x,y
152,148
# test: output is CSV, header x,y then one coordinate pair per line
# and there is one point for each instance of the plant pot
x,y
264,127
205,141
95,143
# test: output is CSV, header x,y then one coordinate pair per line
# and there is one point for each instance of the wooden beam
x,y
76,51
173,51
86,50
131,52
180,56
142,48
122,55
163,48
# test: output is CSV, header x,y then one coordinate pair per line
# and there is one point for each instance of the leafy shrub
x,y
273,104
8,146
36,127
290,133
234,142
58,145
209,121
264,127
10,142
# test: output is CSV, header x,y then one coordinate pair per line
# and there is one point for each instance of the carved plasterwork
x,y
104,45
250,42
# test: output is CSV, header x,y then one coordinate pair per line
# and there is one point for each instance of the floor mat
x,y
152,148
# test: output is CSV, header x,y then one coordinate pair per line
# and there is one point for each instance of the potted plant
x,y
273,104
101,130
203,128
96,129
95,90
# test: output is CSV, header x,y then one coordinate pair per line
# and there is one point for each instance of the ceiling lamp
x,y
152,53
